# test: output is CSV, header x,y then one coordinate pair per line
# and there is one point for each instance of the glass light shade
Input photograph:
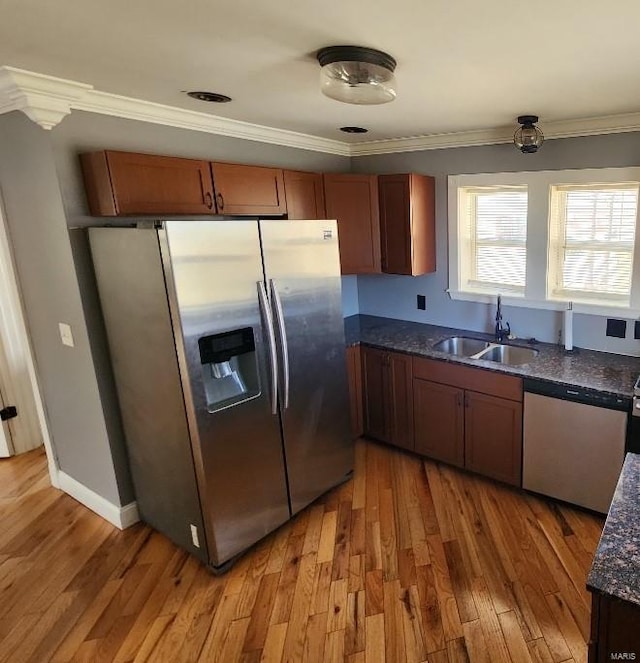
x,y
355,82
528,138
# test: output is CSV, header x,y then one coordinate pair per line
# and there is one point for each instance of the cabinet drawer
x,y
467,377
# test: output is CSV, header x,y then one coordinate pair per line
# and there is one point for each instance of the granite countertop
x,y
616,563
598,371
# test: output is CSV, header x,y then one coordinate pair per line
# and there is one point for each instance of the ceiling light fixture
x,y
354,130
212,97
357,75
528,138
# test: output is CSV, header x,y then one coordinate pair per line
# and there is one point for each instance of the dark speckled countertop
x,y
599,371
616,564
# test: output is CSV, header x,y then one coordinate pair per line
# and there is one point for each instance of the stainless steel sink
x,y
509,354
461,346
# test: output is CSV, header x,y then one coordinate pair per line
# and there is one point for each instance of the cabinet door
x,y
493,437
124,183
305,195
353,201
407,223
400,399
439,421
354,371
375,400
248,190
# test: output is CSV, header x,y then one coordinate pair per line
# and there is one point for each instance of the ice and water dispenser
x,y
229,368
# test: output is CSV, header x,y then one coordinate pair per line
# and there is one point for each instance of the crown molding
x,y
147,111
47,100
592,126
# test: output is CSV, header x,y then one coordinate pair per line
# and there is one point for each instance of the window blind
x,y
497,229
593,235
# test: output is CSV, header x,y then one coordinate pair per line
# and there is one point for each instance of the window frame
x,y
539,252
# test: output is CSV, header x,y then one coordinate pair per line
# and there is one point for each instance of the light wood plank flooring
x,y
410,561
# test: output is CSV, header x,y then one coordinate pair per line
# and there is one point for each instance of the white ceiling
x,y
462,65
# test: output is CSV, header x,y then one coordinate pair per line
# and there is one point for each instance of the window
x,y
591,240
495,238
545,238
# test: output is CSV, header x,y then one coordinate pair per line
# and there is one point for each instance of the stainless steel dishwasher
x,y
574,443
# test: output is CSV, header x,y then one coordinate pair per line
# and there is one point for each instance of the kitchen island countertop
x,y
616,564
588,369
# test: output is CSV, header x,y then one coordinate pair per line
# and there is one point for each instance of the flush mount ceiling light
x,y
357,75
528,138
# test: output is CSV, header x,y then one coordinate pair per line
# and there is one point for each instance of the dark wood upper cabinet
x,y
407,224
248,190
305,195
353,201
125,183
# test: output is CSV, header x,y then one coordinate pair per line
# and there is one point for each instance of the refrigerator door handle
x,y
283,340
271,336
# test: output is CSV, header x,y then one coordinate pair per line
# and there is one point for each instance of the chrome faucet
x,y
501,331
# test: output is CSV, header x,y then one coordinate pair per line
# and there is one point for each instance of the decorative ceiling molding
x,y
47,100
592,126
148,111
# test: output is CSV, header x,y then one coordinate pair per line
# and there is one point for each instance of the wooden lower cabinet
x,y
387,394
615,635
354,372
433,408
493,437
439,421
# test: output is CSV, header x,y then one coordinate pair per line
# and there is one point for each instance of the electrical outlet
x,y
65,334
194,536
421,302
616,328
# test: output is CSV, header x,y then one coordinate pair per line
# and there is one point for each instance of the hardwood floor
x,y
410,561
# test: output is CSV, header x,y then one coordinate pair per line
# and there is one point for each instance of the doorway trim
x,y
14,334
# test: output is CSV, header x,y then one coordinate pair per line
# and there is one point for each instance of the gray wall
x,y
395,296
49,288
82,132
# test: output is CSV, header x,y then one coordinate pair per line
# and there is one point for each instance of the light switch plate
x,y
65,334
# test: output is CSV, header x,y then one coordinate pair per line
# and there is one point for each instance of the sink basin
x,y
509,354
461,346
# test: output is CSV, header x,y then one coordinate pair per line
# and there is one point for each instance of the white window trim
x,y
539,195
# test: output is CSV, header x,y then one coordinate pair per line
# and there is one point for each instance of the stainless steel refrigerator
x,y
227,345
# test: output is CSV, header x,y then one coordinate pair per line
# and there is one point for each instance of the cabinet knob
x,y
208,200
220,201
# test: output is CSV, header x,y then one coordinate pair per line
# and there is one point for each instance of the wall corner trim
x,y
120,516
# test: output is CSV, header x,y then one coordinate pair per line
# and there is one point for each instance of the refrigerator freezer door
x,y
303,273
214,269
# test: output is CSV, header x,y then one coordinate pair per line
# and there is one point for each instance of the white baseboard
x,y
120,516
